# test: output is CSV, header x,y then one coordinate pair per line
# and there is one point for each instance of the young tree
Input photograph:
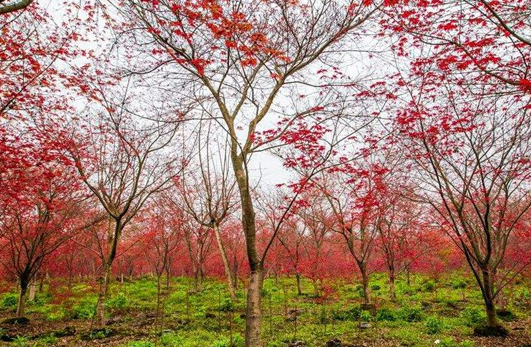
x,y
43,216
471,150
291,236
352,193
160,241
119,160
317,219
209,195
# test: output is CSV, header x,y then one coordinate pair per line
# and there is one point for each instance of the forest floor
x,y
426,313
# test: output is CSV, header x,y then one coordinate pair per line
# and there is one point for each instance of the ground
x,y
427,313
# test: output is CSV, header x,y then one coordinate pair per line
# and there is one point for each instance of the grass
x,y
426,313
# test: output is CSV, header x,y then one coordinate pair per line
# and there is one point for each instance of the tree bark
x,y
392,291
299,289
254,311
168,276
32,290
488,297
102,296
228,272
254,292
365,282
22,298
158,321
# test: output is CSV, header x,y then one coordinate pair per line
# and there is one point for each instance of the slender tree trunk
x,y
392,291
168,275
32,290
299,289
365,283
22,298
159,293
41,284
226,265
316,288
254,311
408,275
201,275
501,301
196,280
102,296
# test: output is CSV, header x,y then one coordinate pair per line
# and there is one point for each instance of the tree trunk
x,y
365,282
235,274
22,298
408,276
392,290
32,290
102,296
168,275
41,284
228,273
254,292
316,288
488,297
299,289
158,321
196,280
492,319
501,301
254,311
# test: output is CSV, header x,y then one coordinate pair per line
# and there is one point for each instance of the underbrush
x,y
425,313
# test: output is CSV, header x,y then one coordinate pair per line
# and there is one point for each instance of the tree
x,y
352,195
240,58
41,217
291,236
208,196
471,151
161,241
118,160
318,220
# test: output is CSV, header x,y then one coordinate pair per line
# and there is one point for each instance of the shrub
x,y
376,287
459,283
352,314
406,336
428,286
473,316
365,316
85,308
20,341
10,301
49,340
171,340
410,314
435,325
386,314
117,303
226,305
